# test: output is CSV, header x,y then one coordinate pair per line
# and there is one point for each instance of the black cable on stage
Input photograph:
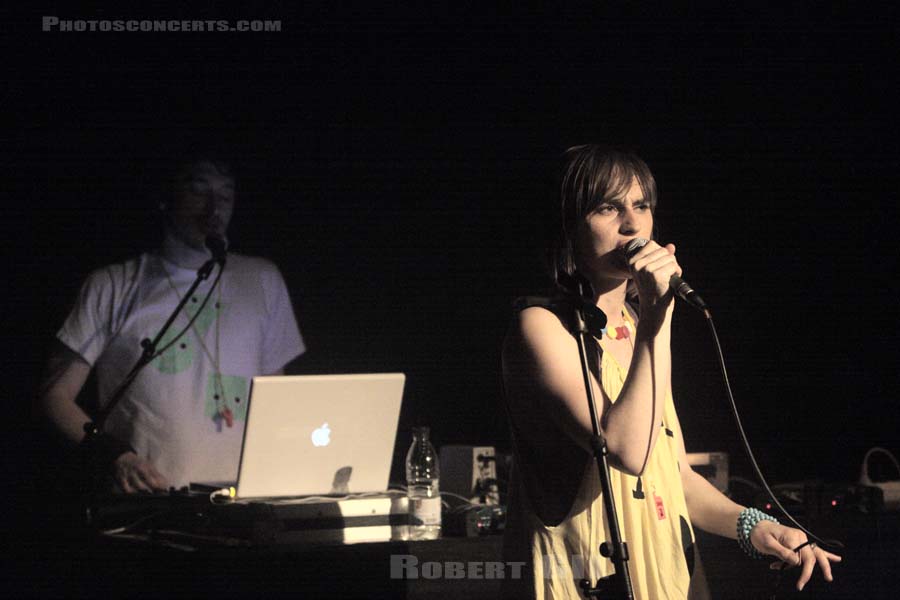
x,y
832,544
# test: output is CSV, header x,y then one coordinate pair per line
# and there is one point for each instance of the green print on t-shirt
x,y
180,356
231,395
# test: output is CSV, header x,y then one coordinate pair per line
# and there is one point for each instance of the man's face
x,y
203,205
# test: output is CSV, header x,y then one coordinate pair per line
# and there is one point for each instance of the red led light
x,y
768,506
834,502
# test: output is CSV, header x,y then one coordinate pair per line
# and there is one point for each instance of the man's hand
x,y
134,474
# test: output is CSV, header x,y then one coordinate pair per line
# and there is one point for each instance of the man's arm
x,y
64,376
63,379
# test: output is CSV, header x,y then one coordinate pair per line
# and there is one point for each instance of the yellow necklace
x,y
623,331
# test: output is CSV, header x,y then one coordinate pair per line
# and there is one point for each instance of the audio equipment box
x,y
471,472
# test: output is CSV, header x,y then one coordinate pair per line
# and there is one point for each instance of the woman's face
x,y
610,226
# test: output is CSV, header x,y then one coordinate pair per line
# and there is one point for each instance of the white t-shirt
x,y
174,413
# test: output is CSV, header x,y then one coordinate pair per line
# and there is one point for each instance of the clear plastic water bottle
x,y
422,484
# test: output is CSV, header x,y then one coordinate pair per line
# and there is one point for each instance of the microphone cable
x,y
830,544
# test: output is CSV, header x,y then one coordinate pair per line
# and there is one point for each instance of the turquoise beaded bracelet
x,y
747,520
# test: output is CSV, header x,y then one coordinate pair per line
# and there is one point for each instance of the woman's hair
x,y
590,175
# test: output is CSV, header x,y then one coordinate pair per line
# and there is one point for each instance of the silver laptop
x,y
319,435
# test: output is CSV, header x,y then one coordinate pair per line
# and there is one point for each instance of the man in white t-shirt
x,y
182,418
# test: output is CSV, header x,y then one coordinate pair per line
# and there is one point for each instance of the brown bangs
x,y
590,175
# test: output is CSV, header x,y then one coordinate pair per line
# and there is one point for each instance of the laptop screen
x,y
319,434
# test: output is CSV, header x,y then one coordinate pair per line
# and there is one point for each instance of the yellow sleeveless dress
x,y
652,513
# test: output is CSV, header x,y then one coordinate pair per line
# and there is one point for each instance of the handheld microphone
x,y
681,287
217,245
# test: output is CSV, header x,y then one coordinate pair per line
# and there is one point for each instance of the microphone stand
x,y
618,585
93,429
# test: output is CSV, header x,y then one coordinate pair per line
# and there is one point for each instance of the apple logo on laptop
x,y
320,436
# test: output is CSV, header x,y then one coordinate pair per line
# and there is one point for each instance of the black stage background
x,y
397,166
